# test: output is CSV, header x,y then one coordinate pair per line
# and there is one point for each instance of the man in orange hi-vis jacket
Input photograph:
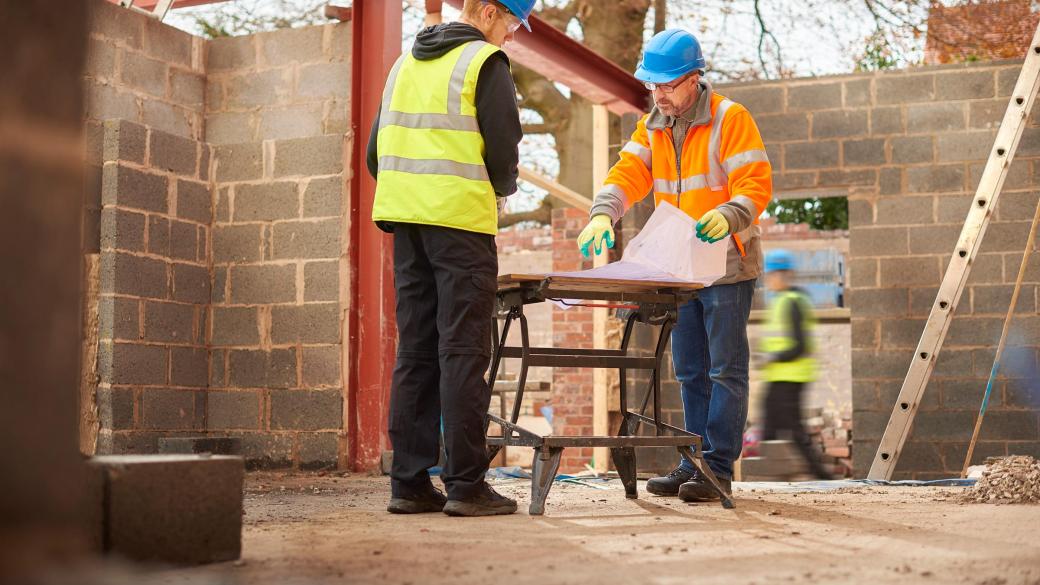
x,y
702,153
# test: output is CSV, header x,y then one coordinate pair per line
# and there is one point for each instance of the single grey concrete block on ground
x,y
182,509
194,445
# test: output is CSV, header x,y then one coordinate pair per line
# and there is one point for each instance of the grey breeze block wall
x,y
908,147
233,328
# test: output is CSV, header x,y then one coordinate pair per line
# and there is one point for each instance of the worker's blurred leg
x,y
415,409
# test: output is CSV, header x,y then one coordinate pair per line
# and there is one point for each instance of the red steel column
x,y
377,44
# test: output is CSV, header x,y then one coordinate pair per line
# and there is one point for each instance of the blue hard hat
x,y
779,260
520,9
669,55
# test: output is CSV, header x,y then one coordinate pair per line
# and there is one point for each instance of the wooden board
x,y
507,281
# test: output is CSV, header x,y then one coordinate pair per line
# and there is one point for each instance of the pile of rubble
x,y
1008,480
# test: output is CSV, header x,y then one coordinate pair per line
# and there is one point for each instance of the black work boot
x,y
429,500
699,489
486,502
669,484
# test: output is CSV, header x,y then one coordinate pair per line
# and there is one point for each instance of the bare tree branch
x,y
542,215
763,33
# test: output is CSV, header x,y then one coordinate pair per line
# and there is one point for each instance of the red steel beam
x,y
373,338
560,58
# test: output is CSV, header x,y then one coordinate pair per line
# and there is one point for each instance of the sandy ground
x,y
310,529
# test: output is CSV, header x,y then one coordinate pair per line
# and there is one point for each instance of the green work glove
x,y
712,227
599,230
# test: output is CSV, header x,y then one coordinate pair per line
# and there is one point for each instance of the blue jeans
x,y
710,354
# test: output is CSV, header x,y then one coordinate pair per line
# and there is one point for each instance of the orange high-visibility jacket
x,y
724,166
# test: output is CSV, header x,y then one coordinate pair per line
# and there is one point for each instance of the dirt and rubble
x,y
310,529
1008,480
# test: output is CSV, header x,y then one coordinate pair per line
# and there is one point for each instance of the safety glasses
x,y
665,87
512,22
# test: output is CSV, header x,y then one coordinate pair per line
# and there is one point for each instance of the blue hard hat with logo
x,y
669,55
779,260
520,9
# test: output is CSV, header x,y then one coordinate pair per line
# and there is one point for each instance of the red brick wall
x,y
979,31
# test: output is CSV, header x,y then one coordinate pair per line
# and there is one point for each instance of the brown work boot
x,y
699,489
486,502
430,500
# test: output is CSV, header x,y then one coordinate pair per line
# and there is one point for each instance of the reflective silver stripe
x,y
639,150
694,182
613,190
433,167
744,158
666,186
388,91
458,76
748,203
717,177
429,121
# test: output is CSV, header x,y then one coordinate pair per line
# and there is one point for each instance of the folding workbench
x,y
654,303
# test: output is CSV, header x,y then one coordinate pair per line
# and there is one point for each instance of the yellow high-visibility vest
x,y
776,338
431,151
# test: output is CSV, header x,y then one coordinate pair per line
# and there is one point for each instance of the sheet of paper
x,y
666,249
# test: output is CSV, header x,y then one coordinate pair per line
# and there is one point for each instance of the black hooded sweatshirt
x,y
497,112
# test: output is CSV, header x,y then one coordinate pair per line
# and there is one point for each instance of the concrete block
x,y
219,284
861,212
815,96
888,391
117,24
886,121
197,445
133,275
172,119
129,187
793,181
122,230
857,93
920,456
235,326
937,117
267,450
934,239
924,271
205,162
337,116
104,102
1019,177
310,323
130,363
184,238
953,208
839,124
222,208
964,146
236,243
306,410
321,366
318,450
189,366
846,178
965,85
263,284
118,318
966,394
954,452
307,239
288,45
187,88
171,322
230,127
758,98
944,425
901,333
231,53
896,88
325,80
250,368
154,512
321,281
158,235
259,89
811,155
986,114
163,408
862,272
190,283
886,302
1022,393
912,149
214,96
881,241
865,396
299,121
321,155
973,331
1029,144
144,74
935,179
174,153
869,152
323,197
783,127
1006,80
905,210
922,299
194,201
124,141
115,408
879,364
233,410
165,42
216,368
266,202
865,333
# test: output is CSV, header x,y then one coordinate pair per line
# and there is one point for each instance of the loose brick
x,y
263,284
235,326
307,239
124,141
310,323
934,179
266,202
839,124
878,241
133,275
230,127
142,73
183,240
236,243
897,88
323,197
190,283
912,149
934,239
189,367
306,410
964,146
325,80
136,364
298,121
233,410
318,450
168,322
886,121
231,53
910,271
289,45
321,281
262,369
321,366
122,230
321,155
128,187
238,162
758,99
864,152
174,153
815,96
259,89
965,85
811,155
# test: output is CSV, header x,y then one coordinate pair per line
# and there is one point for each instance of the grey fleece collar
x,y
698,114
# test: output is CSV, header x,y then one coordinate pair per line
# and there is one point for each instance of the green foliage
x,y
829,213
877,54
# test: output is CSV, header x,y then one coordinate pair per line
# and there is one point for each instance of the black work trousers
x,y
784,421
445,281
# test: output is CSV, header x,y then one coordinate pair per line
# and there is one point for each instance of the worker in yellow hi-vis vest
x,y
787,346
443,150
